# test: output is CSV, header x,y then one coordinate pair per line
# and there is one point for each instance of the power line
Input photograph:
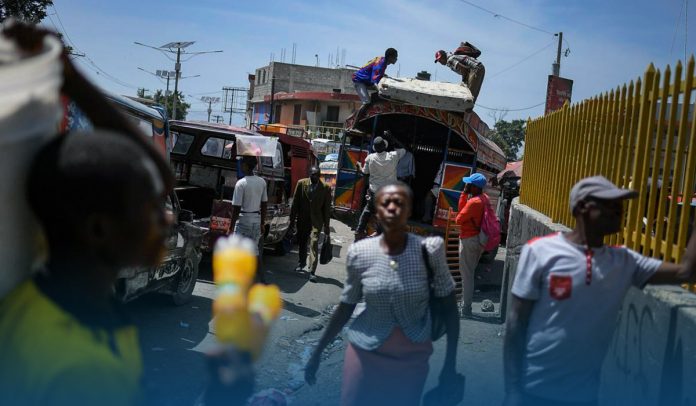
x,y
106,75
94,67
676,26
204,93
522,60
52,22
65,32
498,15
506,109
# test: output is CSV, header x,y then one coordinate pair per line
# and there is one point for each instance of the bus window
x,y
218,148
182,142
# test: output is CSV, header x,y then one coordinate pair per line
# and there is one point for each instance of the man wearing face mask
x,y
311,206
568,292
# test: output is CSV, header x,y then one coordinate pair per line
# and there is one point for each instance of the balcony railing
x,y
332,132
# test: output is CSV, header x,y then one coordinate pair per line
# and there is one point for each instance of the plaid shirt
x,y
393,297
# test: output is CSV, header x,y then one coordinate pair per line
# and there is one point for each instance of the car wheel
x,y
185,283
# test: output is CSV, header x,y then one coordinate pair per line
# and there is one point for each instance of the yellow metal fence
x,y
641,135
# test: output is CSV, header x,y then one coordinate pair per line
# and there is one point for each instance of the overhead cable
x,y
512,20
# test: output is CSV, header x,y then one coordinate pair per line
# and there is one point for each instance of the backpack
x,y
467,49
489,237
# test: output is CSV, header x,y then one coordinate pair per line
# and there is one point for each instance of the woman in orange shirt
x,y
469,219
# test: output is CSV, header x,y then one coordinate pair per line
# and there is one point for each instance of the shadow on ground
x,y
167,335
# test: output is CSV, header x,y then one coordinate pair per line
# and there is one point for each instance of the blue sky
x,y
610,41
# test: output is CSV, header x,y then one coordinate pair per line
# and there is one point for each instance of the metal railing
x,y
309,132
320,131
641,135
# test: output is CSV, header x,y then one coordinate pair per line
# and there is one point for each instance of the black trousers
x,y
367,212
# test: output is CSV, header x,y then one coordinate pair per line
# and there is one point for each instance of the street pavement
x,y
175,338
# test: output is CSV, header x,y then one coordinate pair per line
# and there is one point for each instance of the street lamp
x,y
167,74
176,48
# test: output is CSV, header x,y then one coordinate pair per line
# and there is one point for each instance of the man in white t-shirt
x,y
381,167
249,203
566,298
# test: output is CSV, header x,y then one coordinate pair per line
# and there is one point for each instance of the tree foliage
x,y
168,102
509,135
30,11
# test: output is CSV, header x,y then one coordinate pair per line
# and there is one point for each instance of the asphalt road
x,y
175,338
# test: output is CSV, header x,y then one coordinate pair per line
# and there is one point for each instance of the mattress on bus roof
x,y
424,93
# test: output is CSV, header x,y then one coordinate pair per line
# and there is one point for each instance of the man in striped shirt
x,y
463,61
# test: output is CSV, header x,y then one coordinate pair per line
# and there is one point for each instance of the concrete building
x,y
299,95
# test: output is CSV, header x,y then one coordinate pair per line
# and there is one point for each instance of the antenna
x,y
294,52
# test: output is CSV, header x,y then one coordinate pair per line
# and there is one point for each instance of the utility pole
x,y
270,116
210,101
166,74
557,65
230,94
177,69
170,48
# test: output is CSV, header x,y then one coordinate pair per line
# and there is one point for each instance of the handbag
x,y
437,319
326,254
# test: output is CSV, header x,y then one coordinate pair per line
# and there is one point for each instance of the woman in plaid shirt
x,y
386,361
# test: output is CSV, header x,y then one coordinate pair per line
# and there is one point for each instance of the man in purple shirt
x,y
369,75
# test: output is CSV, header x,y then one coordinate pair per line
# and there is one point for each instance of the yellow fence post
x,y
675,189
667,161
648,246
631,155
619,149
643,147
640,135
689,174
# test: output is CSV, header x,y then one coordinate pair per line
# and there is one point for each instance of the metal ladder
x,y
452,251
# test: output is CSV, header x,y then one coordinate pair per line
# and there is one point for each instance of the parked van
x,y
177,273
205,163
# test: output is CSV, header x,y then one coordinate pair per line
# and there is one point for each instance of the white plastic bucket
x,y
29,115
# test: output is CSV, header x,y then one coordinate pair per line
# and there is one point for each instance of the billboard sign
x,y
558,91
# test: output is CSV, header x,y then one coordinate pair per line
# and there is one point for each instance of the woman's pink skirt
x,y
393,374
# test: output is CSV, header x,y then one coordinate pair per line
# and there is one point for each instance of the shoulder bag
x,y
437,319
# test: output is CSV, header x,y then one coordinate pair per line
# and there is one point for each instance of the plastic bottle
x,y
265,302
234,266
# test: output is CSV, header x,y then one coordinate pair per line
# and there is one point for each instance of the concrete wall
x,y
346,108
652,358
291,78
